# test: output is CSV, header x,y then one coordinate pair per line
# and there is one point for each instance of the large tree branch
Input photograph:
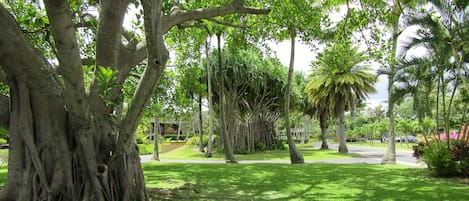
x,y
21,60
181,16
68,53
109,33
157,58
108,53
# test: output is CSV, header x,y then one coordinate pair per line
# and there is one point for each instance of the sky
x,y
303,58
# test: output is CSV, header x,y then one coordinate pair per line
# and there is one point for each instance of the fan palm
x,y
338,78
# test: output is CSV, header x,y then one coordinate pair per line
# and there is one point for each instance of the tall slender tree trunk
x,y
341,129
305,129
210,104
179,128
323,125
295,155
390,156
229,156
156,130
201,131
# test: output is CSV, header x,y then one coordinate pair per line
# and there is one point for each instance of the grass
x,y
177,181
145,149
399,146
299,182
191,153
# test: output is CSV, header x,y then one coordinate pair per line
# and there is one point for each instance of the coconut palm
x,y
340,77
377,112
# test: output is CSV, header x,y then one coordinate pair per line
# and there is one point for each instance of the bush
x,y
141,138
4,133
145,149
439,161
195,140
3,158
443,161
3,141
260,146
280,145
460,153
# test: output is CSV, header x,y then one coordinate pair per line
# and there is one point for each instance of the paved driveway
x,y
371,155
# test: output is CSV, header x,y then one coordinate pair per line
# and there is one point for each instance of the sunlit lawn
x,y
294,182
191,153
300,182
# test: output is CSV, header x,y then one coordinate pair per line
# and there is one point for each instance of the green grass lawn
x,y
192,153
298,182
177,181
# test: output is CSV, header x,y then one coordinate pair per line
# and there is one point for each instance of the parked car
x,y
410,139
351,140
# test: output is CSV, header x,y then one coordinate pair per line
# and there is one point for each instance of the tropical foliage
x,y
340,79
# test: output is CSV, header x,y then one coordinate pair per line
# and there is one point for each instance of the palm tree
x,y
338,78
321,112
377,112
444,34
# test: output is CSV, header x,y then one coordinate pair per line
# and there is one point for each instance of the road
x,y
372,155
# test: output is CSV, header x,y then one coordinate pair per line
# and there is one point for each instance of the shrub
x,y
439,161
4,133
460,153
3,141
3,158
418,150
443,161
280,145
260,146
145,149
195,140
141,138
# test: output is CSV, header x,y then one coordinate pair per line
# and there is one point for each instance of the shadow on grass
x,y
303,182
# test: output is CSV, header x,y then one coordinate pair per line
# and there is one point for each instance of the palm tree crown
x,y
340,77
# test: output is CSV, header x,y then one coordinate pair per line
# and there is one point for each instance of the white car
x,y
410,138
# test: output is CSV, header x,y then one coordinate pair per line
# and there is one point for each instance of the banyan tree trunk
x,y
52,158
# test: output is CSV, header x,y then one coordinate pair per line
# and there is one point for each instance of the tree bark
x,y
229,156
305,130
342,144
156,130
390,156
295,155
210,103
201,131
323,125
